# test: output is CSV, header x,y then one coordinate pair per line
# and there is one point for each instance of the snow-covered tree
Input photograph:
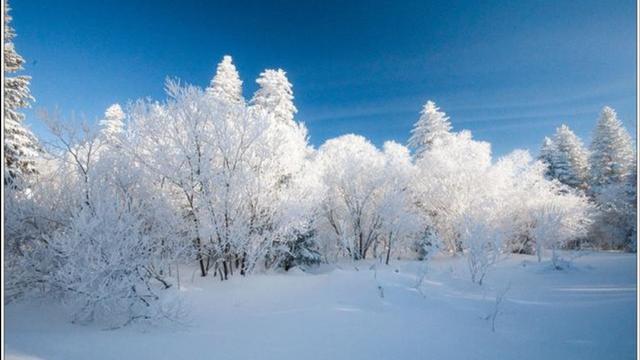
x,y
275,95
21,146
352,171
432,125
569,159
113,122
615,223
547,153
612,154
367,207
226,84
482,237
95,232
532,201
613,183
449,176
240,177
402,224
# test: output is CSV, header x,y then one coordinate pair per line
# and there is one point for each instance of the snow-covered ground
x,y
356,311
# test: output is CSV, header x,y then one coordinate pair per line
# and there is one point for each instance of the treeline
x,y
104,217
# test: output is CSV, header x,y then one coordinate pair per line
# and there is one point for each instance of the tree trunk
x,y
203,269
386,262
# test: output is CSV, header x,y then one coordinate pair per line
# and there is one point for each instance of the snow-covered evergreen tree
x,y
21,146
303,250
547,151
226,84
569,163
433,124
275,95
113,122
612,152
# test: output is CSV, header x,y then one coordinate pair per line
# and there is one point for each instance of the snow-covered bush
x,y
101,235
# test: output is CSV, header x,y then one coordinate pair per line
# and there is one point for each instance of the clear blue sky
x,y
509,71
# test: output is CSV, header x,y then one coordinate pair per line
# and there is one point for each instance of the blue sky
x,y
509,71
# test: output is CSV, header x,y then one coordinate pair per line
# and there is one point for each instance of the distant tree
x,y
21,146
612,154
432,125
569,163
275,95
547,151
113,122
226,84
613,183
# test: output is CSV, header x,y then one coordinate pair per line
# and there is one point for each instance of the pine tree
x,y
226,84
612,154
547,151
275,95
21,146
302,251
432,125
113,122
570,160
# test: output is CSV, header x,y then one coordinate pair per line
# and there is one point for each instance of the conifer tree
x,y
21,146
570,160
547,151
432,125
113,122
226,84
275,95
612,154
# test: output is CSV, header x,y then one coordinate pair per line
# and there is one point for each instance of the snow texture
x,y
366,310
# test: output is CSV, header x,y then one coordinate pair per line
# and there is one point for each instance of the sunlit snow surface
x,y
356,311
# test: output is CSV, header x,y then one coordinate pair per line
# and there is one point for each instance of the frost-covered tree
x,y
532,201
569,159
402,224
557,221
275,95
95,232
226,84
113,122
547,153
432,125
613,183
367,210
449,176
612,154
240,177
301,250
352,171
615,223
21,146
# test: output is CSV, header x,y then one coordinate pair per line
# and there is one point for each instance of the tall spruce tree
x,y
612,155
432,125
21,146
226,84
569,160
547,152
275,95
113,122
